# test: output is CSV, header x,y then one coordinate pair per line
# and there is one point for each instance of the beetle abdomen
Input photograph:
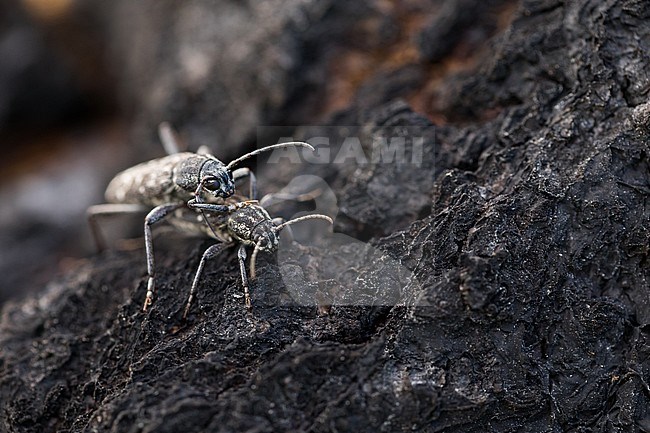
x,y
150,183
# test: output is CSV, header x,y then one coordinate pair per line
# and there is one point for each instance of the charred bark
x,y
526,226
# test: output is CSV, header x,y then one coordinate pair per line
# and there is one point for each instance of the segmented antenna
x,y
197,198
254,259
278,228
267,148
302,218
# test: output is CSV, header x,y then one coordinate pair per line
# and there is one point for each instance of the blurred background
x,y
83,85
61,136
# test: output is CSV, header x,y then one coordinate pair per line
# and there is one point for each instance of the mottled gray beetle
x,y
167,184
238,220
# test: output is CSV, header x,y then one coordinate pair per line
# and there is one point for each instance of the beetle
x,y
168,183
180,176
239,220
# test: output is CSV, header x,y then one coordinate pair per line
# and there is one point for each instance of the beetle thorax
x,y
186,173
248,222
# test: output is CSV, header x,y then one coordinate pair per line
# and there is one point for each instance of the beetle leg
x,y
208,254
252,180
156,215
108,209
204,150
169,138
210,207
241,255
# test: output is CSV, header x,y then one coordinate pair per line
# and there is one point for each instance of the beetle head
x,y
217,178
265,237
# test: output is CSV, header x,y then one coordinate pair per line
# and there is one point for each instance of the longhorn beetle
x,y
167,184
237,220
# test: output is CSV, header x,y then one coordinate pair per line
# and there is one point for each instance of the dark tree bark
x,y
526,227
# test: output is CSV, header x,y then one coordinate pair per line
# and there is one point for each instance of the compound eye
x,y
212,184
263,242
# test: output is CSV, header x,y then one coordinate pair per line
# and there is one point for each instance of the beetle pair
x,y
195,193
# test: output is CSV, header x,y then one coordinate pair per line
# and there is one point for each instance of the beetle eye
x,y
212,184
262,242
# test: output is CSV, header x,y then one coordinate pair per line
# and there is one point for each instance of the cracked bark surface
x,y
527,227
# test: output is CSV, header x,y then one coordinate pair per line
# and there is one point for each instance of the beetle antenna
x,y
207,221
200,186
198,199
277,229
267,148
256,250
302,218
